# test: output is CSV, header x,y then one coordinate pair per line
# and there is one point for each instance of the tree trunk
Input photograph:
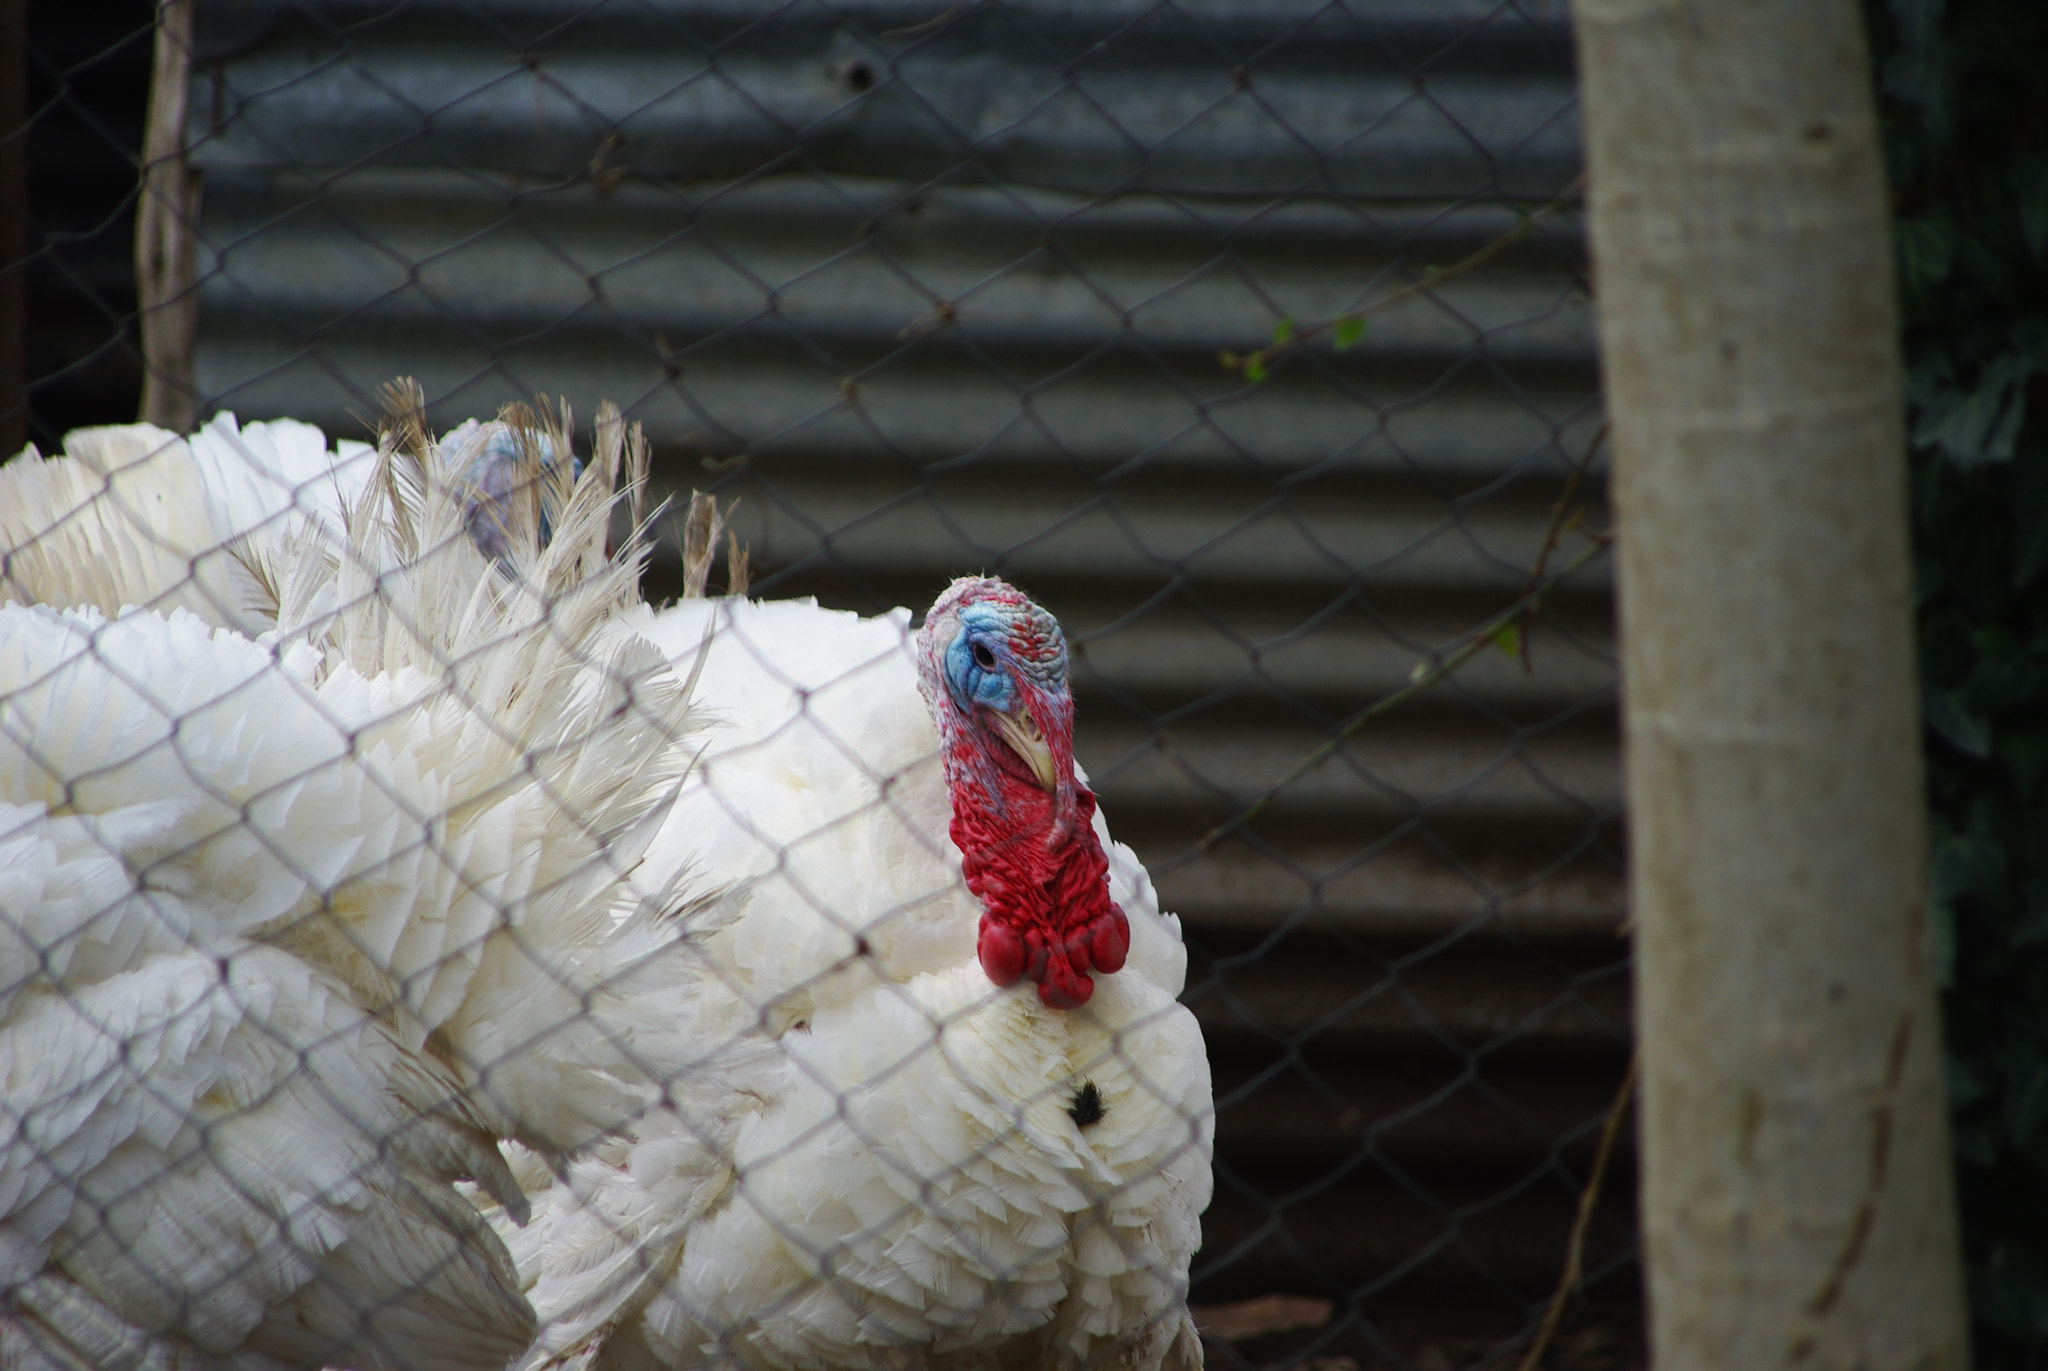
x,y
1797,1196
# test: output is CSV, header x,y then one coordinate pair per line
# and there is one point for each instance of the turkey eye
x,y
983,658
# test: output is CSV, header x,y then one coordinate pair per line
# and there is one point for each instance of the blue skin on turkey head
x,y
494,475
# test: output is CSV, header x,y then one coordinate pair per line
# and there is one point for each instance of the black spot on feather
x,y
1087,1105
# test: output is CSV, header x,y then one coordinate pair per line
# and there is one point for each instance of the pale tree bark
x,y
1797,1204
166,224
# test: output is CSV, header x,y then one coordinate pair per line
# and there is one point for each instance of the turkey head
x,y
992,667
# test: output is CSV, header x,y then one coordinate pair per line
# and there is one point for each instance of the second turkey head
x,y
992,667
500,471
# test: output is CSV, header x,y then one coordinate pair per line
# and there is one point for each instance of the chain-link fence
x,y
1251,339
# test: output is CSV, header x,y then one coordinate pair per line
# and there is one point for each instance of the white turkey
x,y
295,927
984,1139
927,1096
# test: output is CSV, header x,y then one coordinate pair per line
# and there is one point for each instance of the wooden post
x,y
166,224
13,226
1797,1193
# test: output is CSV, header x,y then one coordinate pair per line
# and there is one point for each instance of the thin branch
x,y
1254,365
1563,505
929,25
1575,1249
1426,675
1559,523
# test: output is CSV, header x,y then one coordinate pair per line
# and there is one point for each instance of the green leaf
x,y
1964,729
2009,673
2030,518
2030,189
1942,917
2026,1093
2031,930
1283,330
1989,268
1966,864
2010,1292
2025,755
1919,23
2031,555
1508,638
1977,1142
1927,375
1254,369
1916,74
1982,424
2030,338
1348,332
1967,1085
1927,252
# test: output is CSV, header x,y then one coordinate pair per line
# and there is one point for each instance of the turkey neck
x,y
1032,858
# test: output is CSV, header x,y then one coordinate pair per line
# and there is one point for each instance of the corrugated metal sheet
x,y
937,289
88,86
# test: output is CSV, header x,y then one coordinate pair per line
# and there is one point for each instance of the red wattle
x,y
1043,880
1063,987
1076,950
1112,941
1001,951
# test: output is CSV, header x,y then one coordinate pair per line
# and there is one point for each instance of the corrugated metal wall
x,y
88,85
934,289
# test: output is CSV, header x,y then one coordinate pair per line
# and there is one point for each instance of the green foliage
x,y
1508,638
1348,331
1965,110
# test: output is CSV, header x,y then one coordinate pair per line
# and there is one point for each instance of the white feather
x,y
295,924
136,516
426,818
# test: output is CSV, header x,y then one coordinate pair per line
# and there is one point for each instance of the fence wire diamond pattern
x,y
385,877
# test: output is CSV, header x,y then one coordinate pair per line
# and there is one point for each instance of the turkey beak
x,y
1020,731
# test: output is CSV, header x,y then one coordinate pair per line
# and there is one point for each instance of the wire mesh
x,y
1251,339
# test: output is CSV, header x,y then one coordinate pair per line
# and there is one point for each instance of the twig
x,y
1558,524
1558,511
1426,675
929,25
1575,1249
1254,365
